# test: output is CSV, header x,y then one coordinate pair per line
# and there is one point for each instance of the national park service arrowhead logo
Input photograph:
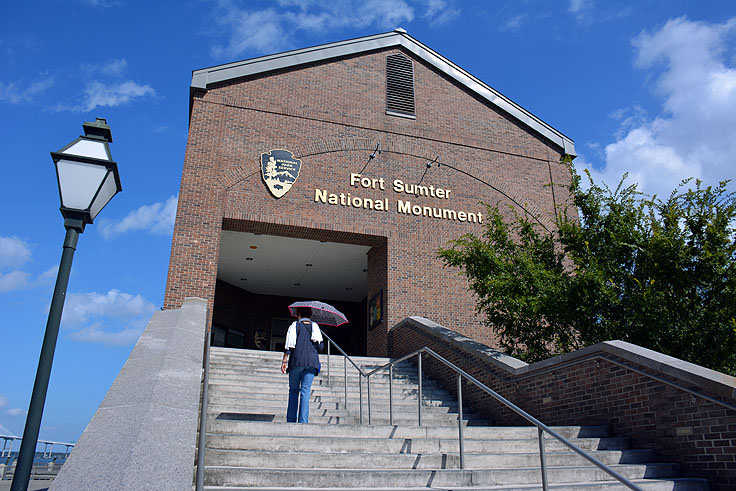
x,y
280,170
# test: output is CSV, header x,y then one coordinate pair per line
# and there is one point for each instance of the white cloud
x,y
101,3
513,23
13,251
157,218
81,308
114,318
48,275
3,401
272,29
109,87
111,68
16,411
693,134
578,6
439,12
15,280
96,333
13,93
98,94
108,94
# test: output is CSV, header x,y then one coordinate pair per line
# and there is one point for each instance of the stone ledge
x,y
144,434
686,372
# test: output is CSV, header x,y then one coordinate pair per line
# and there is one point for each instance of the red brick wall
x,y
597,387
332,115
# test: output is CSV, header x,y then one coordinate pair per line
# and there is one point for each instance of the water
x,y
38,458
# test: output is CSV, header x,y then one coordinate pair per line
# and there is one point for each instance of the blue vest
x,y
304,354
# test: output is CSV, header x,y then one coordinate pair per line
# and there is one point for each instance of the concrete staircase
x,y
250,446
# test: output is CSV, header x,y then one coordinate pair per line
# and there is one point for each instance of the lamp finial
x,y
98,129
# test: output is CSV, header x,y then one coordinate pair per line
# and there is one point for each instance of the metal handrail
x,y
541,427
361,374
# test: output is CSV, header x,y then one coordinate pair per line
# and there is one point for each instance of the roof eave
x,y
205,77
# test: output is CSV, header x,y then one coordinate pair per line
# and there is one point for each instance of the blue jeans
x,y
300,384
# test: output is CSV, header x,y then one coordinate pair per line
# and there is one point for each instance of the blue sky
x,y
646,87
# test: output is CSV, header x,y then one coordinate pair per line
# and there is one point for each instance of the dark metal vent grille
x,y
400,85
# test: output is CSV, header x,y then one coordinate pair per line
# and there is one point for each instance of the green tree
x,y
657,273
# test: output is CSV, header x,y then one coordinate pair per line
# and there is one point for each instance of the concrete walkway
x,y
32,485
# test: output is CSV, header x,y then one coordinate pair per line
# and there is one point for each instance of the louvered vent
x,y
399,86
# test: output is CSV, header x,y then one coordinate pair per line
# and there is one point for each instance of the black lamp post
x,y
88,179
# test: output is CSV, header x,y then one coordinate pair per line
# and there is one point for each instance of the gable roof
x,y
205,77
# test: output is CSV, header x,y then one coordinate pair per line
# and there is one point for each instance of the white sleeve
x,y
316,333
290,337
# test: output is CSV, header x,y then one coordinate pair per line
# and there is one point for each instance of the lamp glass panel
x,y
108,190
89,148
78,183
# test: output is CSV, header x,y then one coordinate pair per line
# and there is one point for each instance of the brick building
x,y
335,173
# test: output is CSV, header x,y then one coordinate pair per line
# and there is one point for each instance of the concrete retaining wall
x,y
144,434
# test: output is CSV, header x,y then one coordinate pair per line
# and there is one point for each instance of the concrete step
x,y
493,433
674,484
400,406
364,363
279,384
327,394
254,356
310,460
233,378
410,414
244,476
398,446
338,380
245,353
249,446
377,400
399,409
219,386
333,418
400,370
322,410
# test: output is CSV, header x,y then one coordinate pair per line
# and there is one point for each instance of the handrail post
x,y
345,372
368,383
328,363
541,426
460,419
360,390
390,395
542,459
419,398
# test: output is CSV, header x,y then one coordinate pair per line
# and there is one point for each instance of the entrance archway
x,y
259,274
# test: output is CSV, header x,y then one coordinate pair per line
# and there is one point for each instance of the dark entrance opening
x,y
260,274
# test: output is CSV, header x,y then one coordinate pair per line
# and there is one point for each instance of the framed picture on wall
x,y
375,310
